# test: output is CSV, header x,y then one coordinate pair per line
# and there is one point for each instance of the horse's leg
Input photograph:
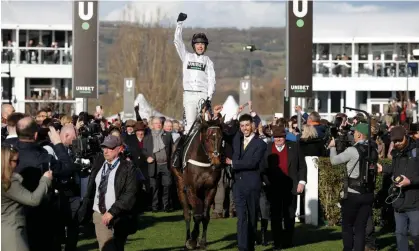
x,y
209,199
197,208
183,199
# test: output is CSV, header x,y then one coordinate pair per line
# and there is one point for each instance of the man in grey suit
x,y
157,149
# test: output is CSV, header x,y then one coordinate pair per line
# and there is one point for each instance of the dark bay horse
x,y
197,181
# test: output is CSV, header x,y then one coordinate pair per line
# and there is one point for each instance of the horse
x,y
198,179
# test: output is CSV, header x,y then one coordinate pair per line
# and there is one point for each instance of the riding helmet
x,y
199,38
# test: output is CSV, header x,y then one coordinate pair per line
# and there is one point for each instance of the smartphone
x,y
99,109
246,104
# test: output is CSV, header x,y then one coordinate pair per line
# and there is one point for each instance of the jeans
x,y
355,212
407,221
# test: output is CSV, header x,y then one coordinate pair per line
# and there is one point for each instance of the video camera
x,y
87,144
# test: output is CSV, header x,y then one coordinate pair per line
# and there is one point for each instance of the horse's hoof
x,y
202,245
191,244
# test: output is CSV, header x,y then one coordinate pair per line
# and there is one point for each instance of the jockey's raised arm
x,y
211,79
179,44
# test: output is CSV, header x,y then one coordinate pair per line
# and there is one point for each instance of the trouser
x,y
370,237
407,221
47,217
107,239
190,106
356,209
70,224
162,177
247,207
283,208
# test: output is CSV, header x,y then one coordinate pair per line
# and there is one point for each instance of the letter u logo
x,y
129,83
245,86
296,11
82,14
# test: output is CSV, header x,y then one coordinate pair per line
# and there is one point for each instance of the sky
x,y
247,13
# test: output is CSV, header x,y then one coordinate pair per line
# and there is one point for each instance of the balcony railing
x,y
365,68
36,55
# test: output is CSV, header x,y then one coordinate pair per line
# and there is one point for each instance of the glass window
x,y
363,51
414,57
33,37
314,51
5,85
347,50
324,51
60,38
46,38
22,38
401,51
336,50
6,36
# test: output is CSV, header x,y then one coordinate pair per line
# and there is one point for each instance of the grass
x,y
166,232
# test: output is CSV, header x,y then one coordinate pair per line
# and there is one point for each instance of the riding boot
x,y
177,155
263,230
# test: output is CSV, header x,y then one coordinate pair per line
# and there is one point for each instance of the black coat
x,y
126,187
138,157
148,151
297,169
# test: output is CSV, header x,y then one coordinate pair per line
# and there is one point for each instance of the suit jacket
x,y
297,168
148,151
126,187
246,162
13,222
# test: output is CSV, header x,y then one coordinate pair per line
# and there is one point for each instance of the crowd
x,y
46,159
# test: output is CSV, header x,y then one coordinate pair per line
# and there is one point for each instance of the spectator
x,y
13,197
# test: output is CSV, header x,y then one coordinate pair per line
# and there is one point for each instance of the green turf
x,y
166,232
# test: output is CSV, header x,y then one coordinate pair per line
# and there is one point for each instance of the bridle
x,y
215,142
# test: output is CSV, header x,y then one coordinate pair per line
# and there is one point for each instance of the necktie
x,y
246,141
103,186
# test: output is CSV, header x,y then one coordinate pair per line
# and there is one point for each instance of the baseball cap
x,y
111,142
361,128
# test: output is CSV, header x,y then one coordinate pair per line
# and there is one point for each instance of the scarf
x,y
157,140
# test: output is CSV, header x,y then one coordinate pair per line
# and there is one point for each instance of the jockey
x,y
198,78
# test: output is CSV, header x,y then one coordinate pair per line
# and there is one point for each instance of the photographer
x,y
358,194
405,175
69,192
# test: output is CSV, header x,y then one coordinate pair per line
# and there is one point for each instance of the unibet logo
x,y
298,13
300,88
85,16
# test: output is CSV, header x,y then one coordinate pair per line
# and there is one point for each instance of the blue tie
x,y
103,187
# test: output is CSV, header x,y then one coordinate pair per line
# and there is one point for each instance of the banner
x,y
129,98
300,45
245,93
85,49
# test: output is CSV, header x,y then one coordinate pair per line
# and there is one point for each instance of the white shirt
x,y
198,70
11,136
247,140
110,191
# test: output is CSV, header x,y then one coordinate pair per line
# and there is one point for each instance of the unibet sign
x,y
86,16
300,13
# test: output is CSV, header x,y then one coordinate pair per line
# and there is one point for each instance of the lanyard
x,y
106,172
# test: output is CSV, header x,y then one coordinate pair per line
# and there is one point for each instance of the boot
x,y
263,230
177,155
